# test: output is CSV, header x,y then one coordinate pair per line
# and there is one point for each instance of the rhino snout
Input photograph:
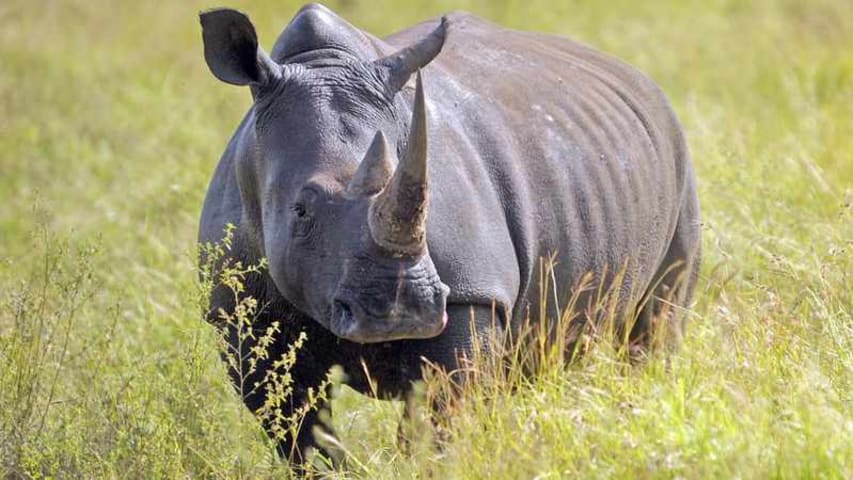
x,y
351,321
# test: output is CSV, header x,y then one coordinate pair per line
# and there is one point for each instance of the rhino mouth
x,y
352,322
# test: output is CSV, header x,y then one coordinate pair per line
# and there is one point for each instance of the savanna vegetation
x,y
111,125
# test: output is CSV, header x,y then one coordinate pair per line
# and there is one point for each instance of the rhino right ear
x,y
231,49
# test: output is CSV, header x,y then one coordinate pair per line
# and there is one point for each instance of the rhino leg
x,y
308,372
673,287
471,330
298,450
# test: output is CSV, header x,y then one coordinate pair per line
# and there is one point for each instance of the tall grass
x,y
111,124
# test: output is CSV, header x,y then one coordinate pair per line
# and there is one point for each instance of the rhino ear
x,y
398,67
231,49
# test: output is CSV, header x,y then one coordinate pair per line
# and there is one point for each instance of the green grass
x,y
111,125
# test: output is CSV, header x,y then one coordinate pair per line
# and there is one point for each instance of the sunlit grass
x,y
111,125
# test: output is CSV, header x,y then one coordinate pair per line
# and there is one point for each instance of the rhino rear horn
x,y
397,218
398,67
374,171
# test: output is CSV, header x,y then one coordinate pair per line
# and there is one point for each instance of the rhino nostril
x,y
344,314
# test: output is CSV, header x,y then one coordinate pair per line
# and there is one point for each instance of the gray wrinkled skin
x,y
537,145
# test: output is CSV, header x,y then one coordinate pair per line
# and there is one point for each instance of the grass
x,y
110,127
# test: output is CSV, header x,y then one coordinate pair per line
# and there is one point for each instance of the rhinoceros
x,y
404,191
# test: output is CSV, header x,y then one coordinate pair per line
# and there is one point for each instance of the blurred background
x,y
111,126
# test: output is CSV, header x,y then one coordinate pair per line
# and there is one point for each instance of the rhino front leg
x,y
266,387
300,439
473,331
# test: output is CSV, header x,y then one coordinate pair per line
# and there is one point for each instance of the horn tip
x,y
443,26
380,145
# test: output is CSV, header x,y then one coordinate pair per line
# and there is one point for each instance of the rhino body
x,y
538,147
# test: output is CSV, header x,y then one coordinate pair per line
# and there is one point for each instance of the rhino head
x,y
339,213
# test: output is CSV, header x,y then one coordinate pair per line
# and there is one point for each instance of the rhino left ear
x,y
231,49
398,67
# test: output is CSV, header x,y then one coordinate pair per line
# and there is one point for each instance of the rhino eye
x,y
299,210
304,224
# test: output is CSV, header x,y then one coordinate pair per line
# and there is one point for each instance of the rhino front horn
x,y
397,218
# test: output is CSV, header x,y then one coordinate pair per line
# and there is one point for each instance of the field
x,y
111,125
